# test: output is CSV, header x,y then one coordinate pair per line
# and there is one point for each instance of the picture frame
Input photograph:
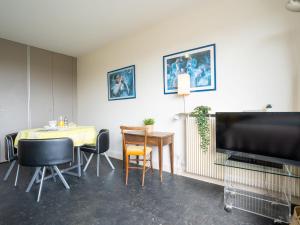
x,y
121,83
199,63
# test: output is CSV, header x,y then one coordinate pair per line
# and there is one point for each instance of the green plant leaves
x,y
201,115
149,121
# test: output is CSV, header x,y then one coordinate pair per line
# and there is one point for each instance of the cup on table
x,y
52,123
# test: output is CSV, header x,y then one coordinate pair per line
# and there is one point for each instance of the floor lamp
x,y
184,89
184,86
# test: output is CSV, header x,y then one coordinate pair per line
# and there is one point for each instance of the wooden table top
x,y
151,134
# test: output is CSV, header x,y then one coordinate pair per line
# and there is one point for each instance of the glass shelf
x,y
224,160
273,208
261,194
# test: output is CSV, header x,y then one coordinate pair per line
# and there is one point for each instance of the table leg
x,y
160,159
124,160
78,161
171,146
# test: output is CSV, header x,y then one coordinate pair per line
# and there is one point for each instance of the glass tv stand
x,y
260,189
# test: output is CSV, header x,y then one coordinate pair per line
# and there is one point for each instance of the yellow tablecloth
x,y
81,135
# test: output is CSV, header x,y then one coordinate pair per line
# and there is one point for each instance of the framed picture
x,y
199,63
121,83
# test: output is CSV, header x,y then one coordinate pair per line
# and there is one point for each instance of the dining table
x,y
80,135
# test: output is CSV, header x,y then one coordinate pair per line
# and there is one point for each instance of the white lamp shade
x,y
184,84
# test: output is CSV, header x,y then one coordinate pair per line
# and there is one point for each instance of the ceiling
x,y
76,27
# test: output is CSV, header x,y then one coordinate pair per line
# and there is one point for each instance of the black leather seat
x,y
101,147
42,153
10,152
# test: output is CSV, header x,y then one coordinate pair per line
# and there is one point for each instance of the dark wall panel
x,y
13,89
41,103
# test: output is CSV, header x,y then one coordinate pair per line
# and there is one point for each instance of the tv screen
x,y
269,136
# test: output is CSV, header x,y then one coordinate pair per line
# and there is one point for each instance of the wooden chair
x,y
134,148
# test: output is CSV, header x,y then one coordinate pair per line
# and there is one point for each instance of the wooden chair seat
x,y
138,150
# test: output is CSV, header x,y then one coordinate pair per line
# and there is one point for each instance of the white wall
x,y
255,66
296,51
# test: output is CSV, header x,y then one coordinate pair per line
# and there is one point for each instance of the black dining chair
x,y
10,152
101,147
42,153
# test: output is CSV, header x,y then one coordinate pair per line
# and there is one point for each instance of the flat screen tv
x,y
267,136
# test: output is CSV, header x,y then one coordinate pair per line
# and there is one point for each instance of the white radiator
x,y
202,163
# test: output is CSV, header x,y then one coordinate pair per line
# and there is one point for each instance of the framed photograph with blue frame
x,y
121,83
199,63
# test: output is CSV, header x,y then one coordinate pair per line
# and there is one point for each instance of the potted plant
x,y
201,115
149,122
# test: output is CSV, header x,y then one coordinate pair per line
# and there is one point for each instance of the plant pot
x,y
149,128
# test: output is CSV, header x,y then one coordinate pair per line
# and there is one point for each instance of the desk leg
x,y
171,146
78,161
124,158
160,158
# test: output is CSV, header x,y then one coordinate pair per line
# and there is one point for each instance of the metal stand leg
x,y
73,156
9,170
81,158
88,162
108,160
52,173
17,175
61,177
41,185
78,161
98,164
35,176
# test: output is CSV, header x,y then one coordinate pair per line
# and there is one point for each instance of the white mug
x,y
52,123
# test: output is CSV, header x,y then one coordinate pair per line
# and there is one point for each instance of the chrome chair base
x,y
98,162
17,175
35,177
9,170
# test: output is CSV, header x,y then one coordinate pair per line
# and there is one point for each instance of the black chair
x,y
10,152
101,147
42,153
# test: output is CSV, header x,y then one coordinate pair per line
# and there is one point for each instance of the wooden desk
x,y
158,139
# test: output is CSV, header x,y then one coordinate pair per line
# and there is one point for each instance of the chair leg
x,y
17,175
52,174
126,168
98,164
41,184
38,177
34,177
61,177
86,158
9,170
108,160
144,170
88,162
151,163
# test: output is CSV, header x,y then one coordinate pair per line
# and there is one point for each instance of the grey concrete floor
x,y
106,200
